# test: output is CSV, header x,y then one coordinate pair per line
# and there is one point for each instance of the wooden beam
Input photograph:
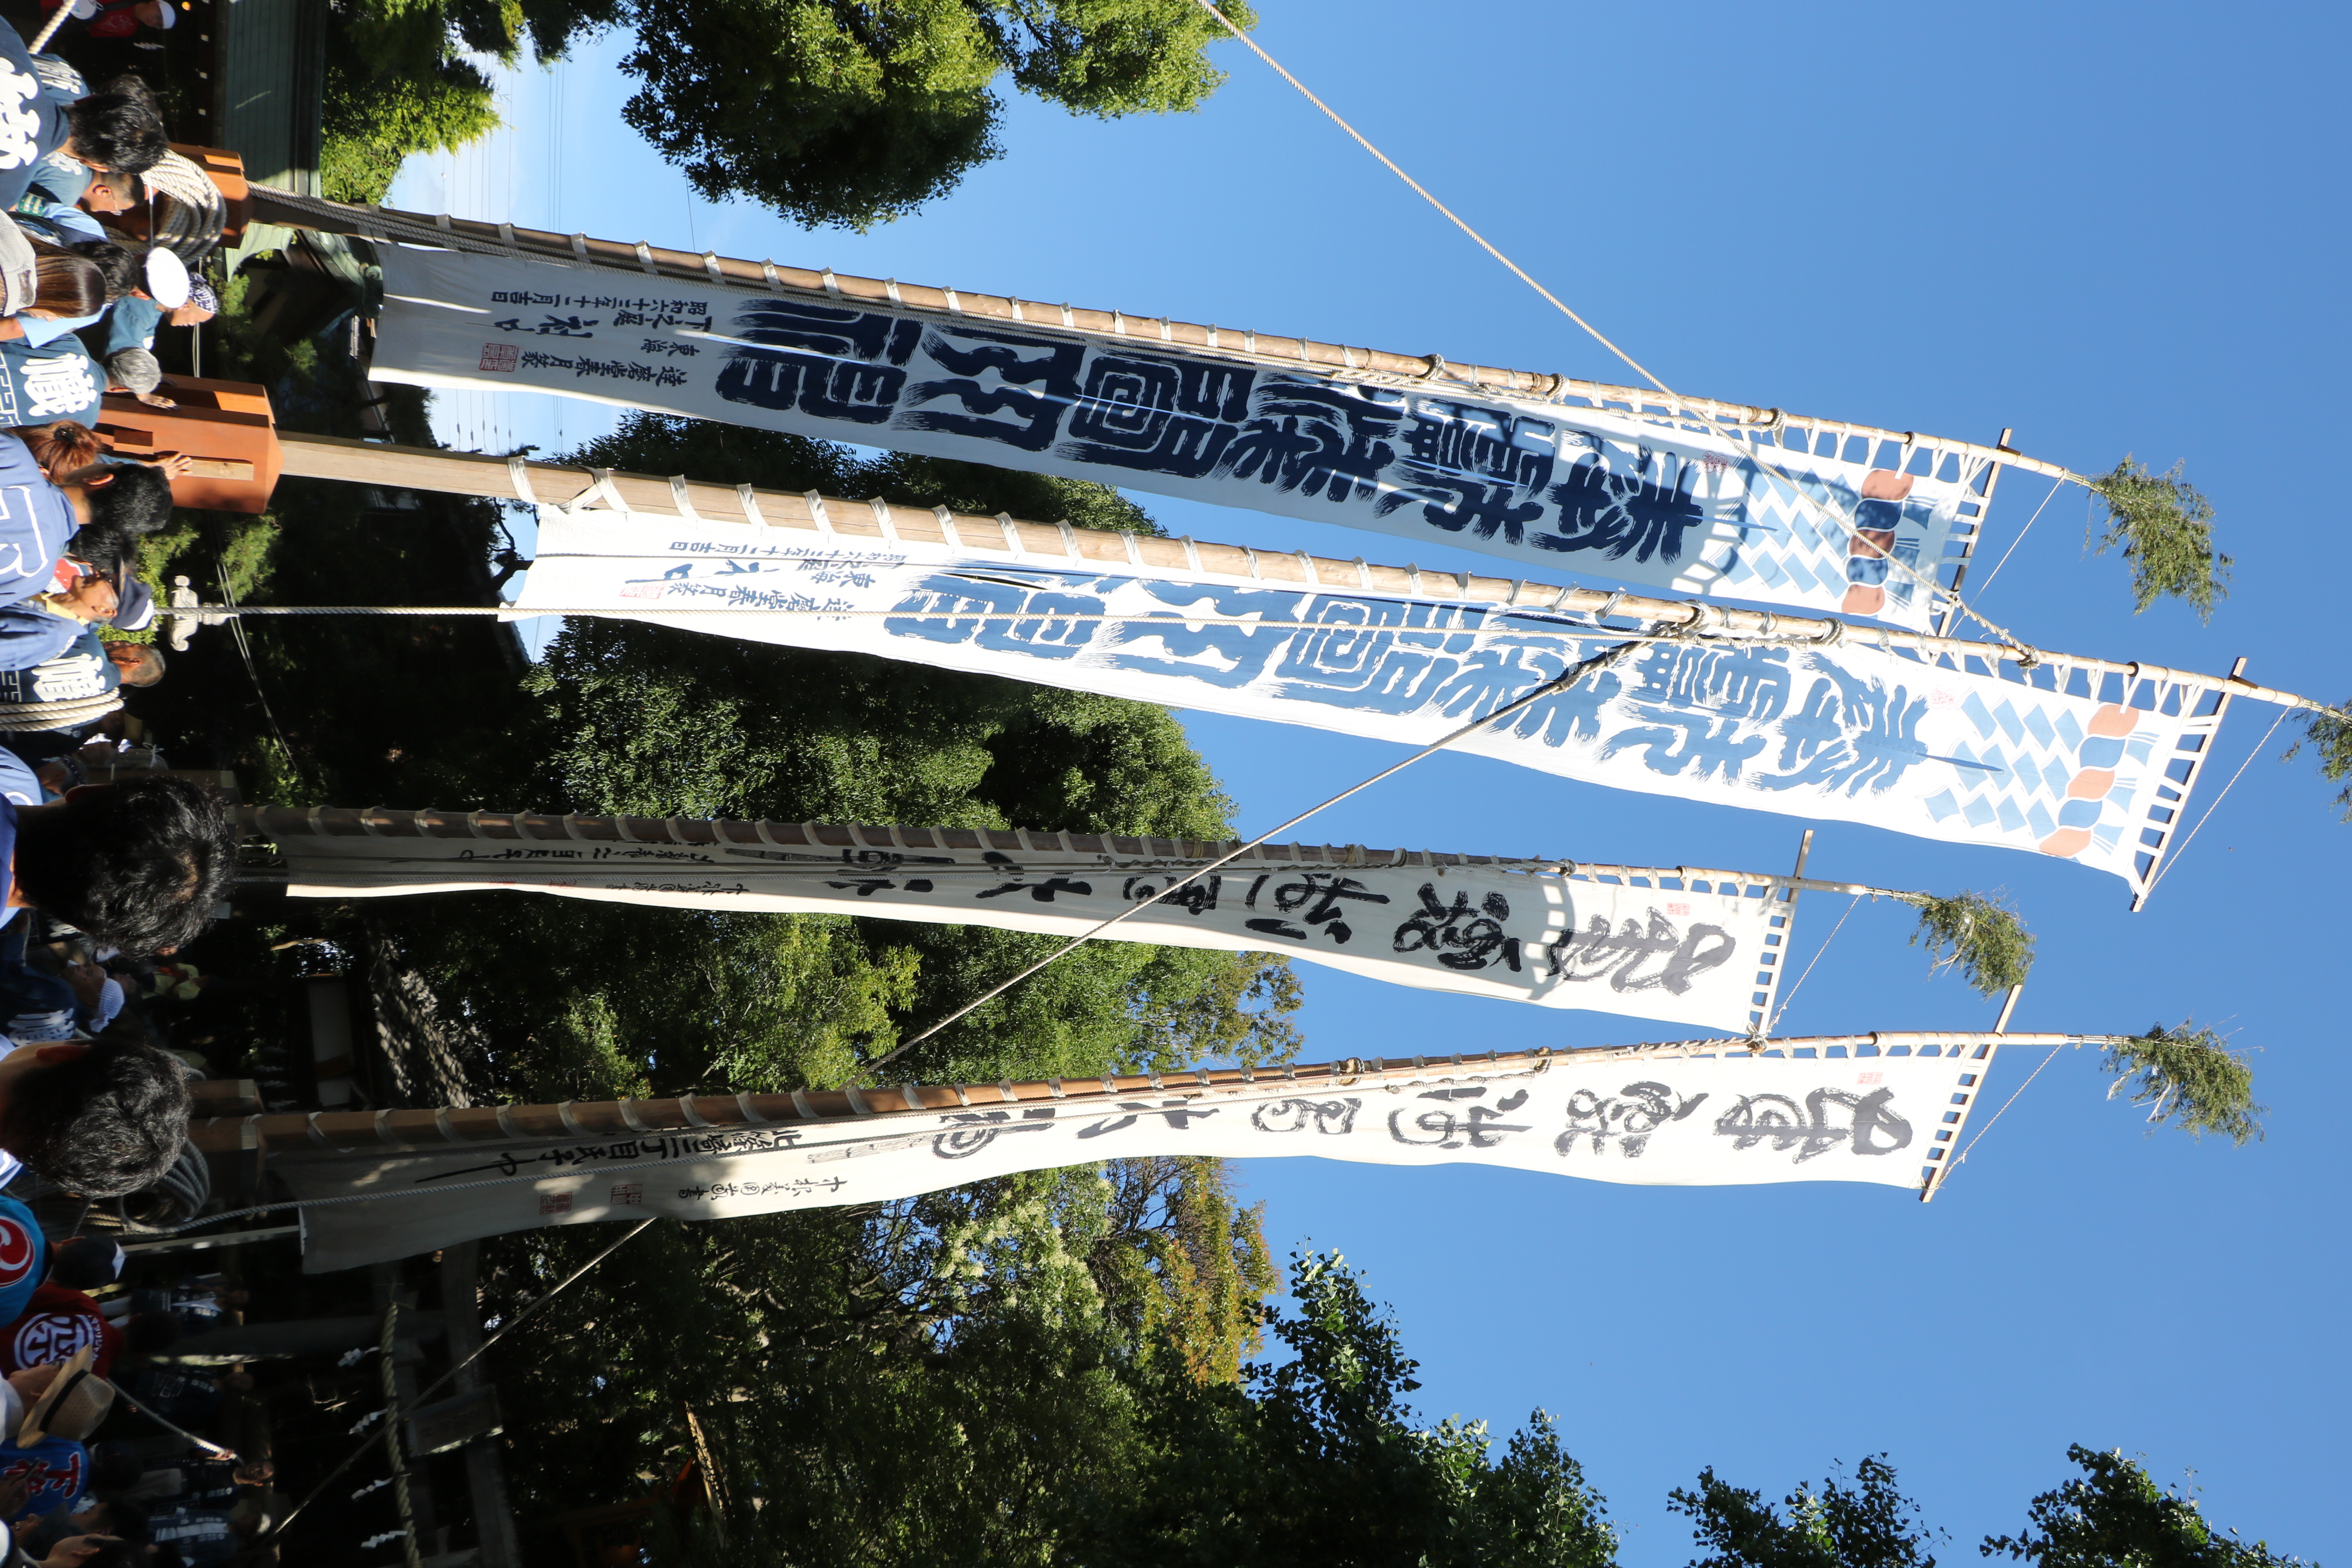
x,y
295,1133
869,521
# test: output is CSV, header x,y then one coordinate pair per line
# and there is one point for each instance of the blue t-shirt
x,y
66,178
132,324
39,330
35,520
30,637
43,217
19,786
33,123
42,382
60,83
80,671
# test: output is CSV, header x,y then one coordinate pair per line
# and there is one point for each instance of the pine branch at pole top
x,y
793,516
294,1134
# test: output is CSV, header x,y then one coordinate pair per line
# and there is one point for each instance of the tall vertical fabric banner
x,y
1656,1118
1845,732
1519,930
1654,503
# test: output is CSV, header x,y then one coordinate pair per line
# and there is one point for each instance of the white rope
x,y
1451,217
519,474
2173,859
1560,682
1997,1115
2054,487
1831,509
49,30
1781,1011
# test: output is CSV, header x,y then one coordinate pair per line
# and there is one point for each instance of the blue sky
x,y
2116,228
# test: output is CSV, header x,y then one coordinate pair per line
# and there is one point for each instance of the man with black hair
x,y
119,127
99,1118
122,121
137,865
110,193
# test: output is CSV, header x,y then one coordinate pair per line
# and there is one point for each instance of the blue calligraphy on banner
x,y
827,363
1756,510
1170,417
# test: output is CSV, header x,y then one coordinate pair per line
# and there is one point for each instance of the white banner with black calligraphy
x,y
1655,1121
1845,733
1671,506
1442,922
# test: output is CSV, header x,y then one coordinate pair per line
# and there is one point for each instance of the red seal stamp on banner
x,y
500,356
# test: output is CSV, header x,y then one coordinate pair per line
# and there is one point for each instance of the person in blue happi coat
x,y
119,127
103,508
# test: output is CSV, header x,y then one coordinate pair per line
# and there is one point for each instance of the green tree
x,y
394,86
851,113
1317,1459
2116,1516
650,720
921,1381
1865,1524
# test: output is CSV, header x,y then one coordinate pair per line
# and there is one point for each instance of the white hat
x,y
20,284
167,275
166,14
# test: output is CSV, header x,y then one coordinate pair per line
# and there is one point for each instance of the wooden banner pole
x,y
793,518
285,1134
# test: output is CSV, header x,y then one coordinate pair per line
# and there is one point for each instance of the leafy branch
x,y
2187,1076
2330,734
1984,937
2166,528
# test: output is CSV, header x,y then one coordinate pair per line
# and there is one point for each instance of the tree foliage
x,y
1866,1523
1979,933
394,86
851,113
649,720
2116,1516
1317,1459
2187,1076
2330,734
914,1382
2166,528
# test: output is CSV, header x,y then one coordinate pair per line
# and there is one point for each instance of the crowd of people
x,y
106,870
82,295
79,1374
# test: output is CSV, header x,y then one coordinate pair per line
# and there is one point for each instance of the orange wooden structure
x,y
225,426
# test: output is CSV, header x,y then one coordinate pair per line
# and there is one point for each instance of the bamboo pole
x,y
294,1133
829,839
823,285
878,521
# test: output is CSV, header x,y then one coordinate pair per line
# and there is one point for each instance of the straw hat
x,y
73,1406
